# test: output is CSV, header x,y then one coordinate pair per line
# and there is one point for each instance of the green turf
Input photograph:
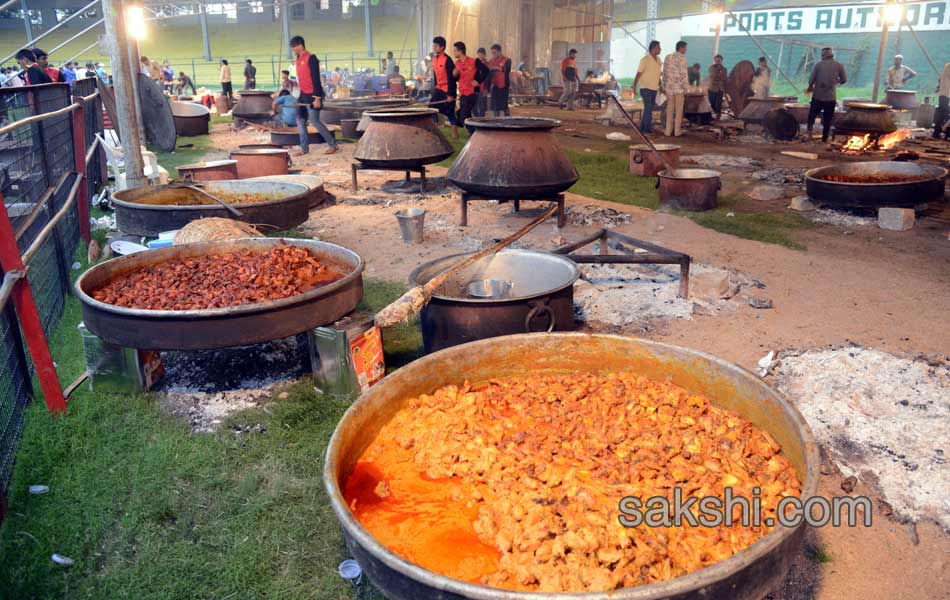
x,y
606,176
772,228
149,510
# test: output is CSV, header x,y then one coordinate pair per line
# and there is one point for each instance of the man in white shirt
x,y
898,74
648,77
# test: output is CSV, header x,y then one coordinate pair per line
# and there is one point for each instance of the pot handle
x,y
638,157
658,183
540,308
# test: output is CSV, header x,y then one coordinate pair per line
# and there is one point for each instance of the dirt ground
x,y
853,285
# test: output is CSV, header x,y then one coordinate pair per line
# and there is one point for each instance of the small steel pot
x,y
540,298
258,163
214,170
645,163
690,189
902,99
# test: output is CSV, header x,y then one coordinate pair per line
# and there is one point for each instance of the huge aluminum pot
x,y
191,119
253,104
689,189
219,327
902,99
644,162
749,574
150,210
541,297
402,138
514,157
261,162
913,184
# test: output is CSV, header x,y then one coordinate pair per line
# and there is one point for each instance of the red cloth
x,y
53,73
498,77
442,74
303,73
467,68
568,62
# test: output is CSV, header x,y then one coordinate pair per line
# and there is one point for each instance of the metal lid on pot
x,y
398,112
691,174
210,164
259,151
659,147
513,123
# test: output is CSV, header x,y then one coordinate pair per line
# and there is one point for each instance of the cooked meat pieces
x,y
219,280
547,459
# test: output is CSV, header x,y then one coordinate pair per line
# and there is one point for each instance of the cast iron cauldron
x,y
756,108
541,298
865,117
747,575
402,138
190,118
254,104
913,184
514,157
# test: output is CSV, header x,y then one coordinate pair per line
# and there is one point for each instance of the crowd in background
x,y
33,68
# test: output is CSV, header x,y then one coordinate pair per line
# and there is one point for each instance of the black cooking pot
x,y
540,297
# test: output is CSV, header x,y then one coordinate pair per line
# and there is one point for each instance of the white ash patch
x,y
827,216
721,161
206,411
587,215
882,418
628,296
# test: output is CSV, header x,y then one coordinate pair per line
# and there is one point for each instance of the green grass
x,y
817,554
149,510
189,149
772,228
606,176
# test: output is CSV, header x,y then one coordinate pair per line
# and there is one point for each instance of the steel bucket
x,y
411,223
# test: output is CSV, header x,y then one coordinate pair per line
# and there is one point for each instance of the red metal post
x,y
29,316
79,152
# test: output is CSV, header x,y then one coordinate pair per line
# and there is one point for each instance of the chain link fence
x,y
37,172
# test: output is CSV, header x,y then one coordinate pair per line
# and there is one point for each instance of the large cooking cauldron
x,y
756,108
902,99
541,297
261,162
290,136
219,327
749,574
151,210
689,189
865,117
212,170
336,110
254,104
913,184
402,138
514,157
190,118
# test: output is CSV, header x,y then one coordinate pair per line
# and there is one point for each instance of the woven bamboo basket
x,y
214,228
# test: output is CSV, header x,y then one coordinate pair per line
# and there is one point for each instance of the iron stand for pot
x,y
652,255
468,196
421,170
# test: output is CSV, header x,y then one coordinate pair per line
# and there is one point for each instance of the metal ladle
x,y
644,138
230,208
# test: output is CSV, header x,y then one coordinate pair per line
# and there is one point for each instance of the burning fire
x,y
867,142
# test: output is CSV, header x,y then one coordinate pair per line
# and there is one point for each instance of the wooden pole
x,y
126,107
880,56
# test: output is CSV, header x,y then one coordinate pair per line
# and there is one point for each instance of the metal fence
x,y
37,179
208,73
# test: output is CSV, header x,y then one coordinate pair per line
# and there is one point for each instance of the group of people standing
x,y
479,83
33,68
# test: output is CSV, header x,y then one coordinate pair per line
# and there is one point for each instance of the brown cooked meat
x,y
545,460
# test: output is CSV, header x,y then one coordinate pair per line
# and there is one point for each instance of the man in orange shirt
x,y
310,101
570,80
470,73
443,93
500,67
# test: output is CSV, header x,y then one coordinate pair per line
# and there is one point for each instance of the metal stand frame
x,y
468,196
407,170
654,255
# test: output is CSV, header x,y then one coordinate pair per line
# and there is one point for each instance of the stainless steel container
x,y
748,575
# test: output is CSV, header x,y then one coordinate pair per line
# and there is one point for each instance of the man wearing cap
x,y
826,76
898,74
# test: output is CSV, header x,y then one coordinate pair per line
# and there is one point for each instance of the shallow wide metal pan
x,y
219,327
749,574
929,187
134,214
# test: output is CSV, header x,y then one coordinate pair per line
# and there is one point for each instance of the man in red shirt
x,y
443,94
470,74
570,80
42,61
32,73
310,100
501,81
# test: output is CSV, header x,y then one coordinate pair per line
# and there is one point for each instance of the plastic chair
x,y
155,173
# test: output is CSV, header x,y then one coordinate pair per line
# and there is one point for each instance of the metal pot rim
x,y
397,112
304,190
654,591
229,311
567,262
210,164
875,106
513,123
258,151
659,147
927,173
690,174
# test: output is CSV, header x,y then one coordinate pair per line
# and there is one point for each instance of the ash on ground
x,y
206,387
882,418
590,215
628,296
434,185
782,176
839,218
721,161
